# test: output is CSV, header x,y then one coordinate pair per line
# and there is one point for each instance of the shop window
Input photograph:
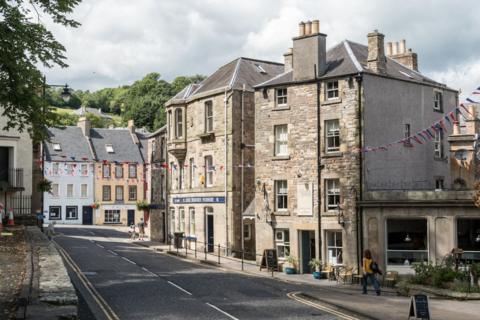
x,y
112,216
282,242
334,247
72,213
468,238
55,213
407,241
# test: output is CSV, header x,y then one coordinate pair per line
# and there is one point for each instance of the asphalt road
x,y
137,283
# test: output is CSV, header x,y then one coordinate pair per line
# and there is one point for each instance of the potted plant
x,y
94,205
316,265
143,206
290,264
44,185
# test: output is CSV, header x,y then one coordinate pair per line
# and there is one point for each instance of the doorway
x,y
307,249
209,233
87,215
130,217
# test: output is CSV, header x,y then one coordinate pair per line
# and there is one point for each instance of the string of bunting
x,y
428,133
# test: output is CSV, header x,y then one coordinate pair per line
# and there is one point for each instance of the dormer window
x,y
57,147
109,148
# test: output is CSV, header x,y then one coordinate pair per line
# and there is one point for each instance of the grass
x,y
117,120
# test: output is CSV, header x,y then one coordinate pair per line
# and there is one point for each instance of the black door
x,y
210,239
131,217
3,164
87,215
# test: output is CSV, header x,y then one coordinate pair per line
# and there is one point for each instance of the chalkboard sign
x,y
419,307
269,260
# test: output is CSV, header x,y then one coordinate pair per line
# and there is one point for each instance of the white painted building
x,y
69,166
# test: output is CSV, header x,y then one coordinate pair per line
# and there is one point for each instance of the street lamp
x,y
66,95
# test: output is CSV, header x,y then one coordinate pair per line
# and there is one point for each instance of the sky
x,y
120,41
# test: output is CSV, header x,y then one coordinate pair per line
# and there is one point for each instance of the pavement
x,y
139,280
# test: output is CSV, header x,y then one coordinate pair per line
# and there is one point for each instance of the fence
x,y
21,205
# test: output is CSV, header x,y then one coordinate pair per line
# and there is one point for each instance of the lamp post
x,y
65,95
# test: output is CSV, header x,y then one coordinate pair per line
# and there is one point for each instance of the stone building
x,y
210,162
312,123
68,164
157,182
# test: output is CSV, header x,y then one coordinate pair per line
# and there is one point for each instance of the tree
x,y
25,43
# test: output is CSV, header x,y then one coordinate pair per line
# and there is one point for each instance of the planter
x,y
317,275
289,270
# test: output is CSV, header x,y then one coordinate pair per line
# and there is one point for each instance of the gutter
x,y
319,165
359,210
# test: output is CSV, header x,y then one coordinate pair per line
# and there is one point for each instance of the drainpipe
x,y
359,211
319,166
225,99
242,146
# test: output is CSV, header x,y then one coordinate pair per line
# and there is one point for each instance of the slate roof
x,y
232,75
84,110
121,140
72,142
348,58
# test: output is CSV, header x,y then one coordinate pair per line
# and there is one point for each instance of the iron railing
x,y
13,176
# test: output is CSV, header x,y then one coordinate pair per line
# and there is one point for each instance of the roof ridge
x,y
235,73
271,79
354,59
261,60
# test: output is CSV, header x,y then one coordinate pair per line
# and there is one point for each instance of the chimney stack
x,y
288,60
84,124
309,52
389,49
400,54
376,61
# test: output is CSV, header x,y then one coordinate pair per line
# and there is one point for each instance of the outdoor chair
x,y
345,275
390,279
328,272
357,277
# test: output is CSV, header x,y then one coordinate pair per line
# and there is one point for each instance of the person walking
x,y
141,230
370,269
131,231
40,218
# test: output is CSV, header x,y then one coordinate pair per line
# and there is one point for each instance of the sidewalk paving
x,y
387,306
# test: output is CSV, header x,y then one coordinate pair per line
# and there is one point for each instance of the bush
x,y
440,276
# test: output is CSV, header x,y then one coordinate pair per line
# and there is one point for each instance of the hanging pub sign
x,y
419,307
269,260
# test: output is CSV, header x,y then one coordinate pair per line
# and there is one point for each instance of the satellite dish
x,y
461,154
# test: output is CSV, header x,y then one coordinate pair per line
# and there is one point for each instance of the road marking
x,y
294,296
91,233
220,310
107,310
179,288
91,240
99,245
113,252
128,260
149,272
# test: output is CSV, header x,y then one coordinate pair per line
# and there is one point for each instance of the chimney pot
x,y
308,28
301,29
85,126
395,48
403,46
315,26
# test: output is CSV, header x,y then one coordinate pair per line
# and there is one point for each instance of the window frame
x,y
411,233
438,146
334,90
468,253
181,219
191,221
192,173
280,141
56,146
55,168
109,148
439,183
68,193
82,194
119,169
332,134
281,197
178,123
336,193
208,110
70,168
117,199
283,242
181,176
247,229
57,187
209,171
84,169
130,175
67,212
437,103
50,217
109,188
281,94
130,189
112,213
106,169
172,220
338,250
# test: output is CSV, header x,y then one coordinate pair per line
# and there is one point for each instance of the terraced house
x,y
210,137
312,125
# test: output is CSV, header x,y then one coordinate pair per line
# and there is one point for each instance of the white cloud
x,y
122,40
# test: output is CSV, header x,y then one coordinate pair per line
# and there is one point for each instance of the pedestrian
x,y
40,218
370,270
131,231
141,230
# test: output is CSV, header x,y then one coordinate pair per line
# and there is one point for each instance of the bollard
x,y
195,243
177,244
205,250
219,253
186,253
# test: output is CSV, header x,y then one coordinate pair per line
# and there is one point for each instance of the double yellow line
x,y
109,313
294,296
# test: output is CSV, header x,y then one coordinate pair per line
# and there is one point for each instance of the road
x,y
120,280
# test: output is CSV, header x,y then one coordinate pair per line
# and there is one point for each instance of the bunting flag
x,y
442,125
452,115
471,101
417,140
465,108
